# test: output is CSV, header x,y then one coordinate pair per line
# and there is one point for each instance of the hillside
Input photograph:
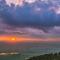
x,y
51,56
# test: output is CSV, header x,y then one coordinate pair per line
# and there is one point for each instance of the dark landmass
x,y
51,56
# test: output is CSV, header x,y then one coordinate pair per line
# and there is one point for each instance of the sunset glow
x,y
16,39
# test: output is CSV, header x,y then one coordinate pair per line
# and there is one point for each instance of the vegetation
x,y
51,56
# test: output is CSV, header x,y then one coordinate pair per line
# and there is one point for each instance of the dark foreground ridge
x,y
51,56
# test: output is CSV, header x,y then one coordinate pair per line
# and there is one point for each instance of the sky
x,y
29,20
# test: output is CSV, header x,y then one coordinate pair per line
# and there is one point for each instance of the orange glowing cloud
x,y
16,39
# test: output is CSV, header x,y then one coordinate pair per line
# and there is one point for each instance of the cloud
x,y
16,2
25,17
30,1
55,30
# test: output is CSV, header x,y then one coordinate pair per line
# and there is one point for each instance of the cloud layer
x,y
40,17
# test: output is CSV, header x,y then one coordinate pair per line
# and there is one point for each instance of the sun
x,y
13,39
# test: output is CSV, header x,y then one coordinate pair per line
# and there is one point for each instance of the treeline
x,y
51,56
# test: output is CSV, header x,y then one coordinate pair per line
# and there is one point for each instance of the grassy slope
x,y
55,56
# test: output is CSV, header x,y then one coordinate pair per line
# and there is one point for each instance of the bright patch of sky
x,y
30,1
16,2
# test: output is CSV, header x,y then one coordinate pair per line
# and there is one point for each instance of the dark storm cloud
x,y
26,17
